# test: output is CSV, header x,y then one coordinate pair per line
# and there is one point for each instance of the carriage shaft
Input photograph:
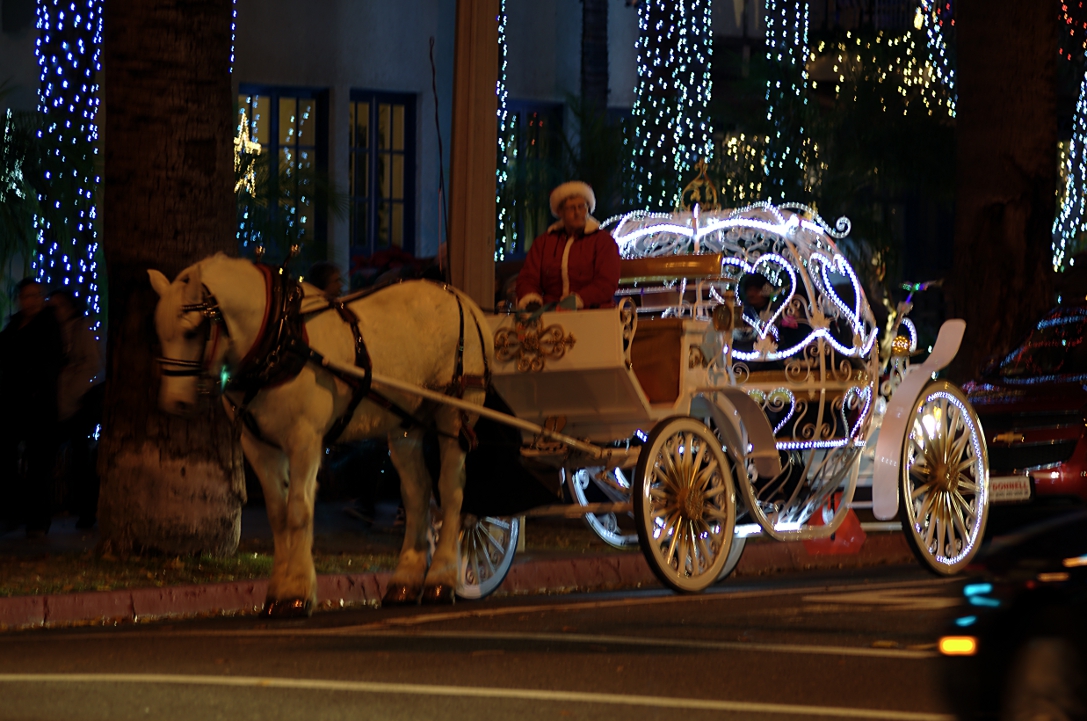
x,y
595,452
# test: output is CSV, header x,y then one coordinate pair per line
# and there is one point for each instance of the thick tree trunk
x,y
1006,174
594,56
169,484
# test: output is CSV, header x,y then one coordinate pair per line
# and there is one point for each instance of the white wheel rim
x,y
604,525
945,480
687,505
487,548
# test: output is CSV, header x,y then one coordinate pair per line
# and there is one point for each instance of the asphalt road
x,y
845,645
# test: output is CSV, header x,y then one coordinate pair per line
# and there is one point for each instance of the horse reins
x,y
213,326
267,361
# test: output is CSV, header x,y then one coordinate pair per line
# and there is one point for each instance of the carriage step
x,y
572,510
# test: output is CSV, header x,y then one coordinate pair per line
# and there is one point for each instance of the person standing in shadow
x,y
79,402
30,362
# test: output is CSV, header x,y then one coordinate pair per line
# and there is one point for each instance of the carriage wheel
x,y
587,485
733,558
684,504
944,480
487,547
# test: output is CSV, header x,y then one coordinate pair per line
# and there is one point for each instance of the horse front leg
x,y
293,589
272,468
406,582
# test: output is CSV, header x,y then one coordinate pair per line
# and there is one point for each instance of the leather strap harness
x,y
282,350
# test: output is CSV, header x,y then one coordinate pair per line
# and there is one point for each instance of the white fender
x,y
892,434
741,414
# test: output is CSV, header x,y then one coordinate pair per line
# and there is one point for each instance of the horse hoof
x,y
287,608
440,594
400,594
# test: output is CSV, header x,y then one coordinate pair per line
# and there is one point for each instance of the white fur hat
x,y
571,189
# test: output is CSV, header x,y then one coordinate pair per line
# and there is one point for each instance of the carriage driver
x,y
575,263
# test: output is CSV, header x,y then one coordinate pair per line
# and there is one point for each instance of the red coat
x,y
558,265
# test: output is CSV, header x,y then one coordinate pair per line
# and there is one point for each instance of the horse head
x,y
183,323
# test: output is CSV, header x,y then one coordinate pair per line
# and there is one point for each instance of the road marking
x,y
888,599
583,638
410,689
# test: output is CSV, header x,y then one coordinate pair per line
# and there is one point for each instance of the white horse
x,y
219,312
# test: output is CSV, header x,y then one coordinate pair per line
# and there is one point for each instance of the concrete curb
x,y
529,575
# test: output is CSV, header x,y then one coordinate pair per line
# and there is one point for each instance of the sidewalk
x,y
565,557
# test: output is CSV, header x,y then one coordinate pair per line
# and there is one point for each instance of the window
x,y
382,167
291,126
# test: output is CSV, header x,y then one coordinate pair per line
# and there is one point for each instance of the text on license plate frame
x,y
1010,489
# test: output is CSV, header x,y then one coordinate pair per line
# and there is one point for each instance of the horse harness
x,y
282,350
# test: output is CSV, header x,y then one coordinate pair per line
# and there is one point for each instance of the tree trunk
x,y
1006,175
594,56
168,483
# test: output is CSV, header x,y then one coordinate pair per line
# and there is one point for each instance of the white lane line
x,y
410,689
888,599
576,638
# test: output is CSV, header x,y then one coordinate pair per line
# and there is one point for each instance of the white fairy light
x,y
672,128
69,45
787,52
933,23
506,235
1071,221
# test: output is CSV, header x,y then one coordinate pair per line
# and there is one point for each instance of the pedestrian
x,y
30,362
79,401
326,276
575,264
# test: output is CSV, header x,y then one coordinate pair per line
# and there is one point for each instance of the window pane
x,y
362,168
286,162
397,229
384,173
398,127
258,120
362,125
396,188
352,181
383,226
383,122
287,120
307,121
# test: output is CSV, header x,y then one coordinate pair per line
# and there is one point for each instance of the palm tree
x,y
1006,168
169,484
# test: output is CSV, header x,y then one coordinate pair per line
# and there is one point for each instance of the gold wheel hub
x,y
942,476
691,503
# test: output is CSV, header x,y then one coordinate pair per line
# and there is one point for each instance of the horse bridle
x,y
213,325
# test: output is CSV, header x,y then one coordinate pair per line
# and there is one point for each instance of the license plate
x,y
1009,489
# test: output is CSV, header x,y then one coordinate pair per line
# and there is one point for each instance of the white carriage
x,y
710,422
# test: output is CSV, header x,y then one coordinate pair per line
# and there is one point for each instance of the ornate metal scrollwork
x,y
531,344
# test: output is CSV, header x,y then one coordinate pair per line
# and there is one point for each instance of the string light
x,y
932,18
68,50
1070,221
506,237
672,128
787,53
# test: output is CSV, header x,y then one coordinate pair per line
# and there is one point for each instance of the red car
x,y
1033,409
